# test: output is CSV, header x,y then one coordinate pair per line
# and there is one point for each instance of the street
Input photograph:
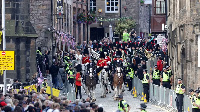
x,y
110,105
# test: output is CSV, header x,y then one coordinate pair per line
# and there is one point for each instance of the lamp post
x,y
4,42
87,22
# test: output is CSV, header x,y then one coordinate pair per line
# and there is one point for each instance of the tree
x,y
123,24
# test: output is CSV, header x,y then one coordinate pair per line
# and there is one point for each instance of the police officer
x,y
44,84
129,77
165,78
145,82
156,76
196,102
70,75
143,107
170,74
122,105
180,90
193,96
66,58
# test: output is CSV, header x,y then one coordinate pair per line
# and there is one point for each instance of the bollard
x,y
135,95
145,99
142,98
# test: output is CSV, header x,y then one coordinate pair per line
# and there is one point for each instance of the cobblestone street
x,y
111,106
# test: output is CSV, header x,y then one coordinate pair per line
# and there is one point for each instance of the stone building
x,y
21,38
107,9
79,29
184,40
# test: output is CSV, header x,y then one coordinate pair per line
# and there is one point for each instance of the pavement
x,y
110,105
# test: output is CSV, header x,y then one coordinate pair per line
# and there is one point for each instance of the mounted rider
x,y
102,63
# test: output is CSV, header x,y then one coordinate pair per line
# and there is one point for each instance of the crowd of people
x,y
131,54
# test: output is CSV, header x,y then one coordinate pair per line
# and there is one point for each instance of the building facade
x,y
21,38
79,29
109,9
184,40
158,17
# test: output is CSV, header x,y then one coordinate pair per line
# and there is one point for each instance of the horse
x,y
118,82
84,72
103,78
90,82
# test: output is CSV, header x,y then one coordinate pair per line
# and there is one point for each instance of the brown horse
x,y
118,82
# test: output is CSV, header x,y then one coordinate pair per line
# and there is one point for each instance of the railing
x,y
160,95
68,90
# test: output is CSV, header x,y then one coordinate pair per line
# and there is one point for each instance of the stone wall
x,y
25,57
133,10
183,47
40,17
145,12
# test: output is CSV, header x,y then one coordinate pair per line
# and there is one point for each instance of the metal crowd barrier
x,y
68,90
160,95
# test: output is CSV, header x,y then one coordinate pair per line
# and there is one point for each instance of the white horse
x,y
90,84
103,78
84,72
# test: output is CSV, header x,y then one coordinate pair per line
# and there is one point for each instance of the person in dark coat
x,y
139,72
54,73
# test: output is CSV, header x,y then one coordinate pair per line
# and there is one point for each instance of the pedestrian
x,y
123,106
71,75
145,82
129,77
125,36
160,64
54,73
143,107
78,82
193,96
196,102
165,78
180,90
133,35
156,76
171,75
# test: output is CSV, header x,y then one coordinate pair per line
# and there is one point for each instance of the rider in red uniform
x,y
101,63
86,58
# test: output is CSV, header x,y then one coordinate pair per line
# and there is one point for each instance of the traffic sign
x,y
3,53
7,60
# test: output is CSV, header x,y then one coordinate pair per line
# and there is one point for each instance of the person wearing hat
x,y
129,77
86,58
171,75
156,76
194,97
143,107
101,63
122,105
78,82
145,82
180,90
45,84
196,102
165,78
66,58
71,75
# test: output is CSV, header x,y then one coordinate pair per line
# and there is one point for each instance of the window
x,y
160,7
93,5
112,6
